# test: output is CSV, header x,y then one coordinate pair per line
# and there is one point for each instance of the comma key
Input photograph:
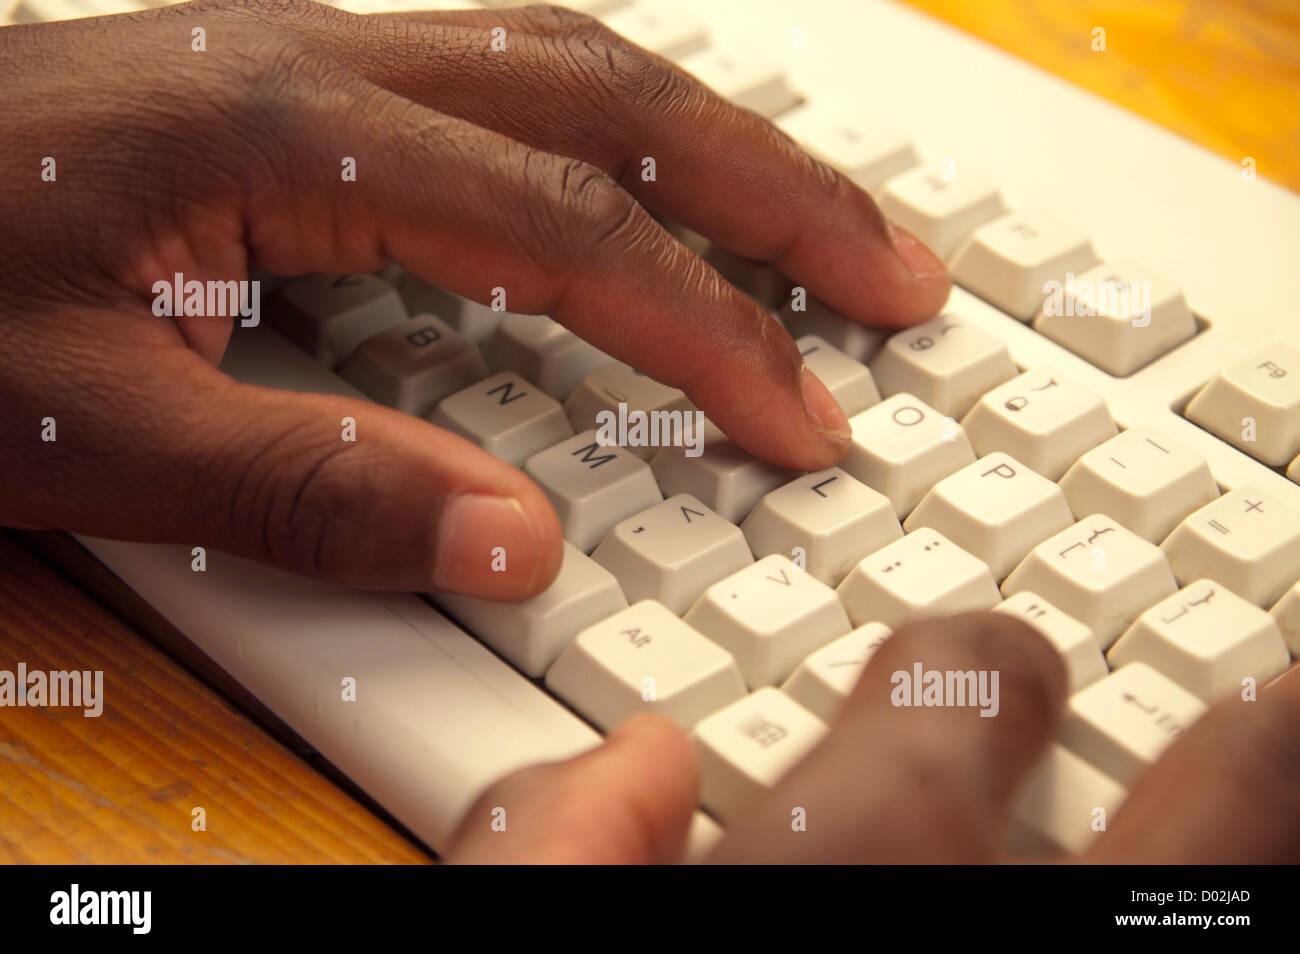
x,y
673,552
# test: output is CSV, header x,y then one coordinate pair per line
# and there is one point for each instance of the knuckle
x,y
595,209
632,78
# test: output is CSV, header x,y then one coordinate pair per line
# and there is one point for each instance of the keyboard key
x,y
1143,480
329,315
1084,663
1010,260
612,385
865,154
902,446
1041,419
1245,540
996,509
413,365
825,521
644,659
923,574
1122,724
945,362
1254,404
1293,472
506,416
746,78
746,748
421,298
1286,613
769,616
941,210
824,680
1059,802
476,322
848,381
726,478
1097,571
1207,639
664,30
543,352
673,552
592,487
855,340
531,633
1102,316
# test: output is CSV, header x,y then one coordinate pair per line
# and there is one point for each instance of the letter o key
x,y
904,415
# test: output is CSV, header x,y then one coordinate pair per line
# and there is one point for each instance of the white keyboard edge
x,y
411,745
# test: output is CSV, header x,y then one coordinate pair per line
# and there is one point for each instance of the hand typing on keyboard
x,y
524,161
296,138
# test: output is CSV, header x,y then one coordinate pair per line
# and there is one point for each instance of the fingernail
x,y
487,546
823,408
915,254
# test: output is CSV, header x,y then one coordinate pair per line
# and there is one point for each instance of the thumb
x,y
172,450
630,801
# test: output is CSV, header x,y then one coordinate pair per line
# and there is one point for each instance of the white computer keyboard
x,y
1132,490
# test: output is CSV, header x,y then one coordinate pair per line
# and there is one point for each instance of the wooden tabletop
x,y
124,787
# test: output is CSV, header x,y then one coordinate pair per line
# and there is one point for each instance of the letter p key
x,y
1003,470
